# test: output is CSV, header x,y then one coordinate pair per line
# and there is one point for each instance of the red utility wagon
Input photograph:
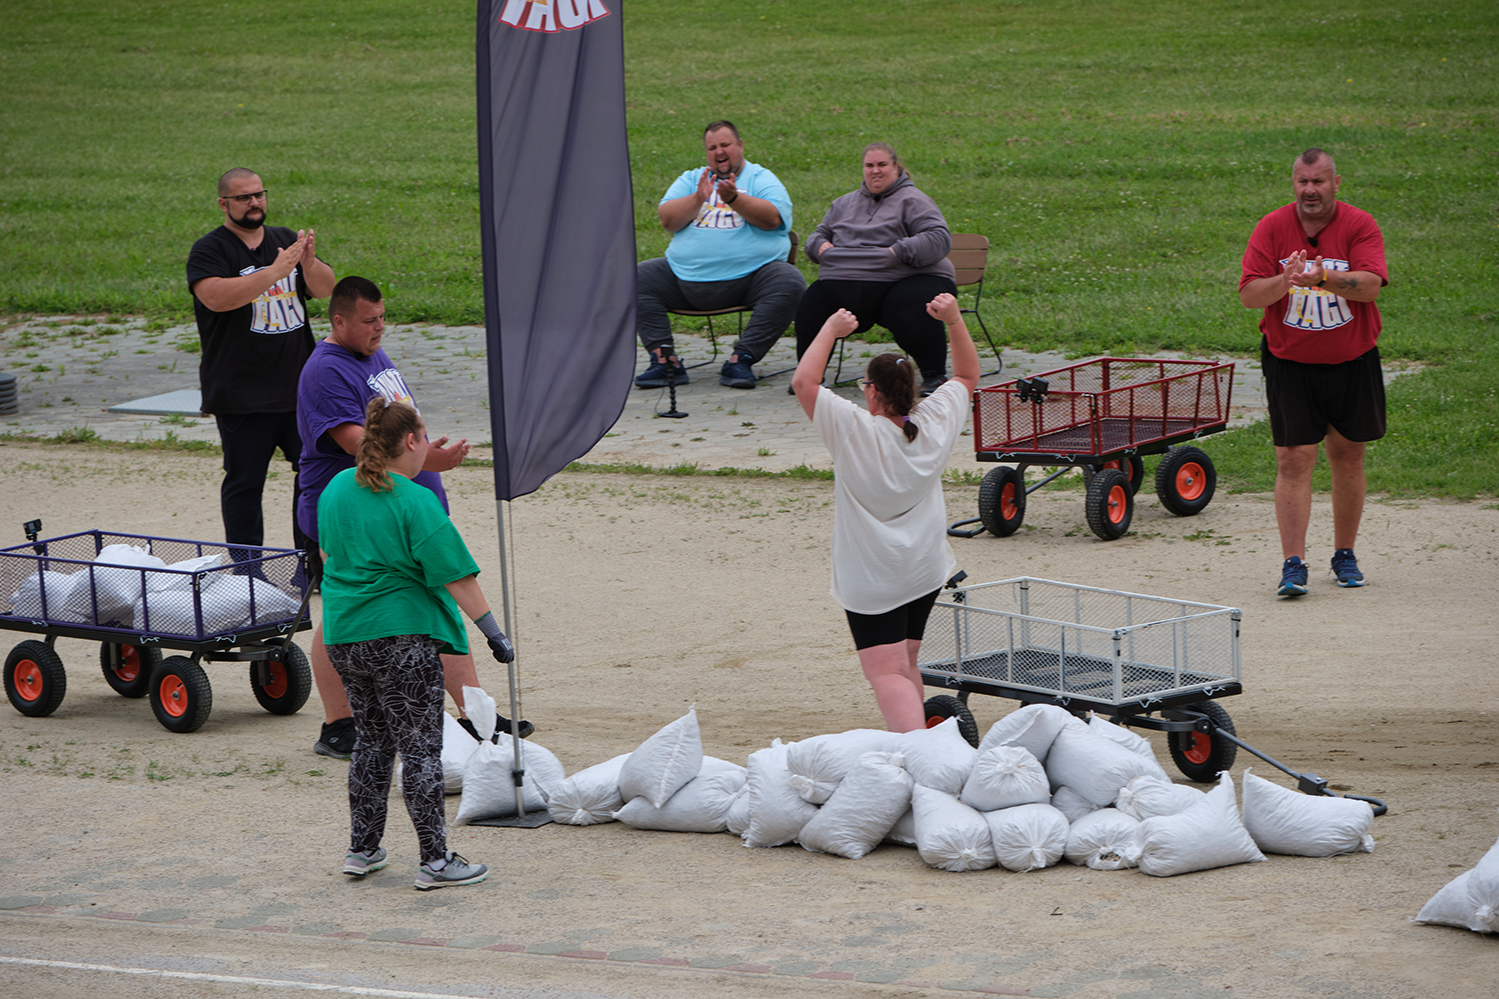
x,y
1102,416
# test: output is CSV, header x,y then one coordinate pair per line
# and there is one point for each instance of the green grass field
x,y
1116,155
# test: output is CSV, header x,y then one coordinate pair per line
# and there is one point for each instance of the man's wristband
x,y
735,198
1323,282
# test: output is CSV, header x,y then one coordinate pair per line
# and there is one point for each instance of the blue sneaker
x,y
1345,567
738,374
656,375
1292,578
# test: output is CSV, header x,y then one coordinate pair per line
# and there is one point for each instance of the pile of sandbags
x,y
1042,785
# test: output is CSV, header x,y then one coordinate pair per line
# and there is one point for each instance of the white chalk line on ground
x,y
352,990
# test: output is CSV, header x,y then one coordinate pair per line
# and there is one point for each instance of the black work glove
x,y
503,651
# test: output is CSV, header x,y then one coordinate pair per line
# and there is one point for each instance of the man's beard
x,y
246,222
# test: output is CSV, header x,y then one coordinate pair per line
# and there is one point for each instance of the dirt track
x,y
640,596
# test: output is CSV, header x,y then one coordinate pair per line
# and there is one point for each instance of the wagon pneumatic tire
x,y
1197,754
1133,466
130,676
35,680
180,694
1002,501
945,706
1185,480
1111,504
290,682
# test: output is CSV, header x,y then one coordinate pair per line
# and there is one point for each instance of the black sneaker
x,y
738,374
501,727
337,739
932,384
656,375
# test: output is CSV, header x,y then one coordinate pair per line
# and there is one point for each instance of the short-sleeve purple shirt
x,y
336,386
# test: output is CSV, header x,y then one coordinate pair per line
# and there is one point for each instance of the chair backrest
x,y
969,255
791,257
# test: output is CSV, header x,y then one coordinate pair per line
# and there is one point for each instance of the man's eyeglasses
x,y
245,199
865,383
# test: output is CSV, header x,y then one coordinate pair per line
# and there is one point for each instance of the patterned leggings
x,y
395,689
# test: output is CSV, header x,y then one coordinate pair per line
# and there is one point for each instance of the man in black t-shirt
x,y
250,284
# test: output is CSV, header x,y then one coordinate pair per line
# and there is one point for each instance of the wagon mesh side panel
x,y
1109,404
1074,642
259,592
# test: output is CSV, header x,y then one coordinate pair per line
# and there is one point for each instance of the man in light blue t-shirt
x,y
730,223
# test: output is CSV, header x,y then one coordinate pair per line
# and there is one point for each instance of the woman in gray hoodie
x,y
881,253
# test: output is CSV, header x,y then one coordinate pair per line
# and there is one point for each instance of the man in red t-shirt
x,y
1315,267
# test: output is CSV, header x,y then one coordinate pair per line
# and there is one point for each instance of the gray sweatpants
x,y
772,294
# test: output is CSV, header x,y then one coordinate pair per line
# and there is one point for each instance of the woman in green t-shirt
x,y
396,584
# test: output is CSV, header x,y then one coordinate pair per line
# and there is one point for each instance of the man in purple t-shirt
x,y
344,373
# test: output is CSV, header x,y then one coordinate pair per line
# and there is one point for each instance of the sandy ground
x,y
638,597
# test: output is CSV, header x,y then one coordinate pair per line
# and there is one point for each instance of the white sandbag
x,y
489,788
819,763
1032,727
700,805
57,587
232,601
664,762
938,757
1457,905
589,796
903,833
737,818
949,835
1105,840
1094,767
1027,837
1484,886
868,800
1132,741
168,612
1003,777
1147,796
112,591
776,812
1305,825
1071,804
177,579
1207,835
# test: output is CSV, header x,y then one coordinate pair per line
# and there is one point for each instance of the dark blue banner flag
x,y
556,209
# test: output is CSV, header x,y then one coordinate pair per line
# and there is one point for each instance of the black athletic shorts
x,y
1306,399
906,621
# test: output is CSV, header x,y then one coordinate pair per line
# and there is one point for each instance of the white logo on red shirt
x,y
1317,308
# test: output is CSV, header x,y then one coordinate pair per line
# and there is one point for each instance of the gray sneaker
x,y
360,864
457,871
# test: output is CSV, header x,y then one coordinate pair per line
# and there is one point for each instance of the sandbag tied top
x,y
664,762
1209,834
1003,777
818,764
949,835
1027,837
589,796
1305,825
1146,796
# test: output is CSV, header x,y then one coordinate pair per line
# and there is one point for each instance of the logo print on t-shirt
x,y
1317,308
716,215
278,309
390,384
